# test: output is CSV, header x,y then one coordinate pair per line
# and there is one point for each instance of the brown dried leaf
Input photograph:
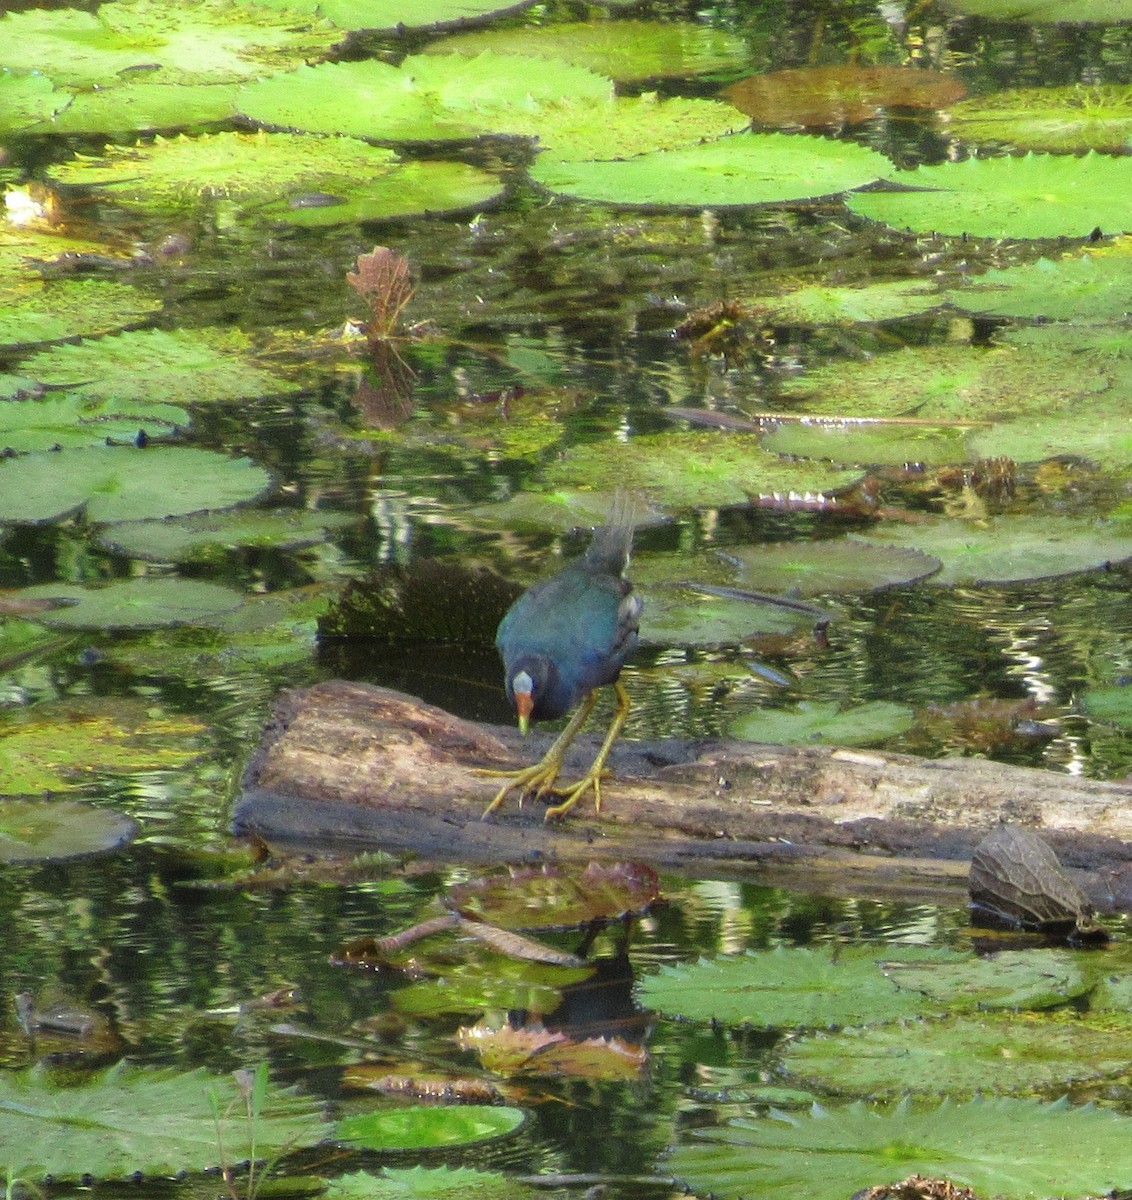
x,y
507,1049
383,281
1015,875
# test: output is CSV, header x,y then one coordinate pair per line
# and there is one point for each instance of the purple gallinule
x,y
564,638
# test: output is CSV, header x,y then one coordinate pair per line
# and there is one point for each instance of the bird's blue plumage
x,y
571,633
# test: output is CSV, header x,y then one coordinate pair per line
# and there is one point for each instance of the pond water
x,y
544,328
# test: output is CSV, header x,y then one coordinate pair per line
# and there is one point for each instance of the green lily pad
x,y
136,604
1038,196
125,484
144,107
25,99
1110,704
682,616
746,168
198,536
959,383
1102,435
199,41
67,420
58,747
420,1126
870,443
831,565
1073,119
623,50
68,308
1003,1147
296,179
397,16
1084,289
49,830
619,127
1008,980
157,366
561,511
427,1183
1013,548
154,1122
427,98
959,1057
812,722
1100,12
873,302
785,988
690,470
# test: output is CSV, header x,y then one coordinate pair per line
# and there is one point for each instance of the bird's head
x,y
526,684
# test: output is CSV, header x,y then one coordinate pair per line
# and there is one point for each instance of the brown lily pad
x,y
821,97
553,897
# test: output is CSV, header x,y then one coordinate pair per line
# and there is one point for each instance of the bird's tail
x,y
609,549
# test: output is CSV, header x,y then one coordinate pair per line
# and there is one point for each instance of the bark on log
x,y
350,763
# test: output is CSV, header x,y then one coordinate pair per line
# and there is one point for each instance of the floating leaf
x,y
420,1127
159,366
689,470
154,1122
124,484
1013,548
196,41
427,98
1084,289
1007,980
199,536
836,96
624,50
1038,196
25,99
790,988
396,16
960,383
814,721
70,308
746,168
1012,1149
49,830
137,604
1102,435
618,127
959,1057
66,420
1076,118
144,107
1112,704
1101,12
427,1183
57,747
534,1050
296,179
870,443
562,511
872,302
549,897
831,565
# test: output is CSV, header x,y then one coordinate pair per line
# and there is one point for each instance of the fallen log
x,y
348,764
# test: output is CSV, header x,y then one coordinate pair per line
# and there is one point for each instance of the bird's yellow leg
x,y
592,778
540,777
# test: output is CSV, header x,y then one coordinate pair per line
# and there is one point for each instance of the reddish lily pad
x,y
814,97
553,897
